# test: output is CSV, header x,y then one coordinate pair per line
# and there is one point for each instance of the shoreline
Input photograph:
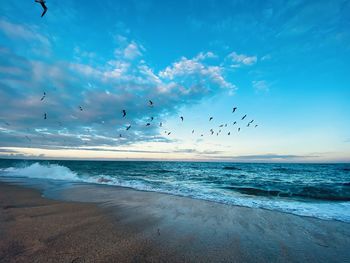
x,y
126,225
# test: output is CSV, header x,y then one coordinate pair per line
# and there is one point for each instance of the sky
x,y
284,64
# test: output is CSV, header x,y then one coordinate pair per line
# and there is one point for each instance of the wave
x,y
40,171
231,168
308,192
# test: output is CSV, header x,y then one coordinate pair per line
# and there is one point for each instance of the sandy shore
x,y
135,226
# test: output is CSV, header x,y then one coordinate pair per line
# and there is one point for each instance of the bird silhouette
x,y
42,2
152,118
244,117
229,133
251,121
192,131
150,103
239,129
127,128
182,118
81,109
210,118
234,123
248,124
160,124
221,125
201,135
212,132
226,125
120,135
169,133
45,116
234,109
124,113
43,97
256,125
148,124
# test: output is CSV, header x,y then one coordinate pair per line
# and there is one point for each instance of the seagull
x,y
210,118
212,132
148,124
244,117
234,123
219,131
251,121
150,103
42,2
221,125
234,109
81,109
120,135
43,97
160,124
229,133
152,118
217,134
201,135
248,124
192,131
239,129
182,118
226,125
169,133
256,125
127,128
124,113
45,116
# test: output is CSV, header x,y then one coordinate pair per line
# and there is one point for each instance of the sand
x,y
125,225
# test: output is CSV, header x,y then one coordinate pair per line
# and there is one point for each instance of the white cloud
x,y
260,85
242,59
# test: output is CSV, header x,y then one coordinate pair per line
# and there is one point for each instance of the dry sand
x,y
149,227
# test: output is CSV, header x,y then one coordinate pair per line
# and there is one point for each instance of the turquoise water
x,y
317,190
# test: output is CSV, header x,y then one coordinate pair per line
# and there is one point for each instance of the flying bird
x,y
210,118
234,109
43,97
124,113
120,135
201,135
239,129
169,133
234,123
80,108
127,128
182,118
251,121
256,125
42,2
148,124
221,125
248,124
226,125
192,131
244,117
45,116
160,124
152,118
229,133
212,132
150,103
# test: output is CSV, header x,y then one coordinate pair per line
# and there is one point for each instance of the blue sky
x,y
283,63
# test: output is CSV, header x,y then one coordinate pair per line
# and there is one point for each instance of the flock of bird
x,y
151,104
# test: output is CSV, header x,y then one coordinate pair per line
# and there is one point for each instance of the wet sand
x,y
125,225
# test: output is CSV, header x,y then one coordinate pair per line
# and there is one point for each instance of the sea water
x,y
316,190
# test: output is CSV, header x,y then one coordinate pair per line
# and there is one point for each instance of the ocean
x,y
315,190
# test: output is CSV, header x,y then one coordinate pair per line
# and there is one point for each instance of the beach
x,y
116,224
